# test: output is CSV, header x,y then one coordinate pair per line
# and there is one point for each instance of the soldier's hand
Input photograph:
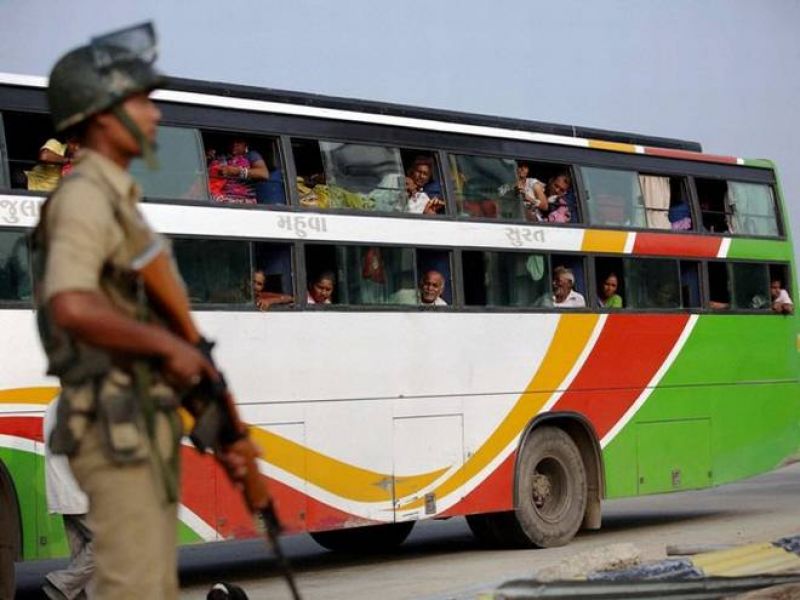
x,y
187,366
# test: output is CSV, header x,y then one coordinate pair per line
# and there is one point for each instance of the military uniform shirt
x,y
92,224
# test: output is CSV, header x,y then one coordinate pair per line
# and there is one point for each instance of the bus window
x,y
506,279
666,203
652,283
243,169
433,277
15,283
719,289
715,209
753,208
610,282
690,284
780,289
272,275
4,180
364,275
750,286
25,135
215,271
423,183
345,175
479,186
613,197
181,172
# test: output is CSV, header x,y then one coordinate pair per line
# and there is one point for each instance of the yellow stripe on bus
x,y
597,240
571,336
33,395
615,146
334,476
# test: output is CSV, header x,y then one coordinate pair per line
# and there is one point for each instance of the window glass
x,y
690,284
753,208
360,275
360,177
181,174
376,275
4,183
614,197
666,203
719,288
506,279
25,135
652,283
272,275
215,271
750,286
15,282
715,210
484,186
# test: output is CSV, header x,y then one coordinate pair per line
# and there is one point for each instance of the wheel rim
x,y
550,489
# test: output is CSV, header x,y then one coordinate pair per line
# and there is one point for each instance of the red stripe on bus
x,y
628,353
688,155
207,492
493,494
25,427
666,244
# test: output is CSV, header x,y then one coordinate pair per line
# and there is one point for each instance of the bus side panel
x,y
732,372
42,533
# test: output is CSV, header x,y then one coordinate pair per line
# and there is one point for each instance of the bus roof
x,y
416,112
320,101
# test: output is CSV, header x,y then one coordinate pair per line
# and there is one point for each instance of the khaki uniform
x,y
94,236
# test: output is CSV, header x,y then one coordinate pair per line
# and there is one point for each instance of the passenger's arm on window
x,y
538,191
259,171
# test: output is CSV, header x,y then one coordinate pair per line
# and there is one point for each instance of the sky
x,y
725,73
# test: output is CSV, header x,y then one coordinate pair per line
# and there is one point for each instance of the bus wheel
x,y
373,538
551,489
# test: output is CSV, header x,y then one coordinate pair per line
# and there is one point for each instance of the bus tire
x,y
551,491
10,533
360,540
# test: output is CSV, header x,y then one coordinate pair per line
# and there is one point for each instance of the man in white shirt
x,y
64,497
781,301
430,289
563,296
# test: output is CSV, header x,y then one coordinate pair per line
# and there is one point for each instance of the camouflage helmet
x,y
96,77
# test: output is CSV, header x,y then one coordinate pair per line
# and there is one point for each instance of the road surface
x,y
442,560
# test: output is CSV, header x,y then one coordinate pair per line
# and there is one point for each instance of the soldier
x,y
121,369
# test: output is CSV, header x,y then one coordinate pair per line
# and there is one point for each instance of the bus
x,y
521,397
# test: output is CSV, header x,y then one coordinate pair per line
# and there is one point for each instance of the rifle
x,y
217,423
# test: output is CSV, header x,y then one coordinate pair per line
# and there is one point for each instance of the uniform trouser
x,y
71,582
134,527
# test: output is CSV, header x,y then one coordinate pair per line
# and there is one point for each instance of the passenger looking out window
x,y
781,301
608,296
423,197
264,299
233,177
534,205
563,296
430,289
320,288
54,161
